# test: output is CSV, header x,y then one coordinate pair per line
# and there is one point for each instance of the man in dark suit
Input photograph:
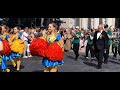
x,y
100,42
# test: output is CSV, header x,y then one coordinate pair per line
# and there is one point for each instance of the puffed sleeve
x,y
7,36
20,35
0,39
58,37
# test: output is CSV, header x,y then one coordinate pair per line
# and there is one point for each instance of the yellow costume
x,y
17,45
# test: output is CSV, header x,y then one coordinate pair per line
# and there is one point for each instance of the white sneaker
x,y
25,57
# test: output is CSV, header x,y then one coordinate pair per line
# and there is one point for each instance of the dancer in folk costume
x,y
6,53
55,50
1,49
11,33
17,47
50,47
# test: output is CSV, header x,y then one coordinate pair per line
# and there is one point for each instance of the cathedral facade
x,y
89,22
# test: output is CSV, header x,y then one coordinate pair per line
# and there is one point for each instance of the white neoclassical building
x,y
88,22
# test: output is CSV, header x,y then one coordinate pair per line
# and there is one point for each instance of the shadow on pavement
x,y
71,57
11,67
90,64
114,62
113,58
38,71
83,58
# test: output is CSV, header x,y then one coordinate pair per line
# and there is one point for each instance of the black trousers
x,y
89,48
119,50
106,55
108,49
76,49
113,49
99,55
116,50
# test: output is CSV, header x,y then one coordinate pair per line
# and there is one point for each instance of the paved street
x,y
34,64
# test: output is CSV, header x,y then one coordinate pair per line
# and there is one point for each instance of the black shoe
x,y
11,71
105,62
15,67
76,58
99,67
92,60
114,56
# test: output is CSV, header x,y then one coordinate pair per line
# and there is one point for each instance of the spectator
x,y
25,37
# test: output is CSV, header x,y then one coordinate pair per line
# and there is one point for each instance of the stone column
x,y
72,22
109,21
103,21
85,23
80,22
92,23
113,23
96,23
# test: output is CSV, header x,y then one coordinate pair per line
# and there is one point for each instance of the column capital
x,y
96,23
85,23
110,22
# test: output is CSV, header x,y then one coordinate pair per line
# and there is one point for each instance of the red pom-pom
x,y
6,48
38,47
54,52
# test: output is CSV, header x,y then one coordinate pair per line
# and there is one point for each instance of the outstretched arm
x,y
61,42
9,41
1,46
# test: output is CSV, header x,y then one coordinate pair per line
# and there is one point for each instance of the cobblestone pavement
x,y
81,65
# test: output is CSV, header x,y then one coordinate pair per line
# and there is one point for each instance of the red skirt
x,y
38,47
54,52
6,48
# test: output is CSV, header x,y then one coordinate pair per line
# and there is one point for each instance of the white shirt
x,y
82,34
98,34
24,35
115,35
